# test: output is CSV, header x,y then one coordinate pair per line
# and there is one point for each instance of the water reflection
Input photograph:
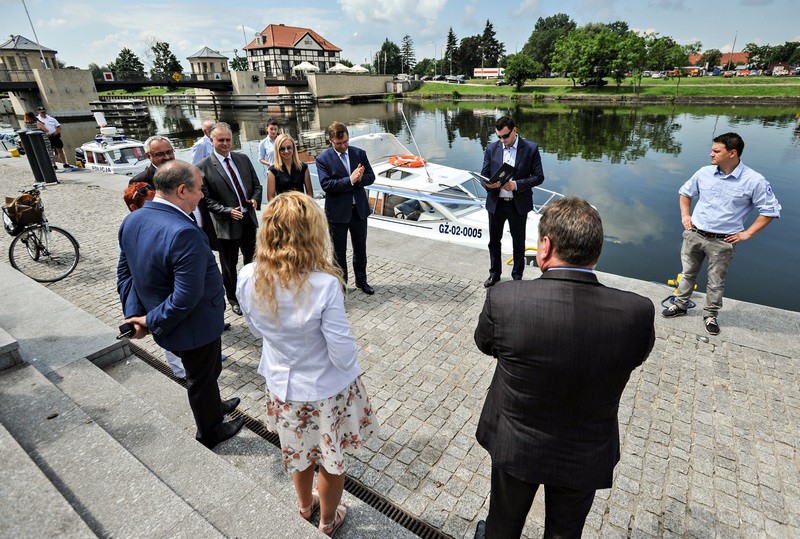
x,y
627,161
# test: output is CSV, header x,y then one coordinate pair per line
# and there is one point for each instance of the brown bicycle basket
x,y
21,211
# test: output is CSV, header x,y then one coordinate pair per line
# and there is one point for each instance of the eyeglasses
x,y
504,137
159,155
286,148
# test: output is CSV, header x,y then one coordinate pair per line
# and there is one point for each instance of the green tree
x,y
519,68
423,67
388,59
493,50
710,58
239,63
450,56
407,55
569,54
347,63
630,58
542,42
469,55
164,61
128,66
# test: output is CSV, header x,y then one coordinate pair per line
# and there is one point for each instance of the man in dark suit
x,y
344,171
170,286
512,201
565,348
159,150
232,192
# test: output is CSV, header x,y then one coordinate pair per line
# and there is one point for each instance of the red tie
x,y
235,181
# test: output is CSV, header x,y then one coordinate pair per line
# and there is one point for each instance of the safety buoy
x,y
409,161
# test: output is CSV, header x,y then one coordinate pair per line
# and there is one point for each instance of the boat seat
x,y
410,209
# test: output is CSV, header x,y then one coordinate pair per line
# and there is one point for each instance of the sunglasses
x,y
286,148
142,191
159,155
504,137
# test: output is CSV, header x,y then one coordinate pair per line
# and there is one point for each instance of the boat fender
x,y
407,161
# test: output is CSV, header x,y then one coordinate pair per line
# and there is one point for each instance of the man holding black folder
x,y
514,167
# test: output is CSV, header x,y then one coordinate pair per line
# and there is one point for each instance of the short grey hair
x,y
220,125
172,174
207,125
155,138
575,231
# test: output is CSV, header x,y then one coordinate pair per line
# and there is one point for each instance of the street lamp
x,y
434,58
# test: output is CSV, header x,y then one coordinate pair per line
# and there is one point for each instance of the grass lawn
x,y
694,86
156,90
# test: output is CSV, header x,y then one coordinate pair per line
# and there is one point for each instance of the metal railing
x,y
17,75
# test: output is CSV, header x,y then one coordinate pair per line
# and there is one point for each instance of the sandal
x,y
338,520
307,512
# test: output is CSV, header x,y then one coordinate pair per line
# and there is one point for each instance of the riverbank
x,y
689,91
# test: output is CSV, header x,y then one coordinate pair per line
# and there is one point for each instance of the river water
x,y
628,162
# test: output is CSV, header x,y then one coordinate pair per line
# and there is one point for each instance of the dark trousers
x,y
229,256
511,499
358,237
203,367
507,211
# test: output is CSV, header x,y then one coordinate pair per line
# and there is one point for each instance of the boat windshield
x,y
379,146
124,156
457,202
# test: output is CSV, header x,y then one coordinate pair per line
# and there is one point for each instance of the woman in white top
x,y
291,296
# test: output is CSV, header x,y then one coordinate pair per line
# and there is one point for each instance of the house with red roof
x,y
737,58
278,48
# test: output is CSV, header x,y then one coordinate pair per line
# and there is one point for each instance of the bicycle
x,y
43,252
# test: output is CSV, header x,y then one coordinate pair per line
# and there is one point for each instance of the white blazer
x,y
308,353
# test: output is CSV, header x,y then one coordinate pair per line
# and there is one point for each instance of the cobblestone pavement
x,y
709,431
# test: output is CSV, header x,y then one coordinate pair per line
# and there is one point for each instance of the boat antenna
x,y
419,153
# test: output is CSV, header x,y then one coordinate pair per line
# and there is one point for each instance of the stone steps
x,y
248,452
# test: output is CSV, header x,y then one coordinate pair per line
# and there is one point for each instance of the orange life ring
x,y
409,161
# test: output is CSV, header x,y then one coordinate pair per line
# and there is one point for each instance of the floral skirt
x,y
321,432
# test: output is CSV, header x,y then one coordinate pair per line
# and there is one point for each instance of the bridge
x,y
16,81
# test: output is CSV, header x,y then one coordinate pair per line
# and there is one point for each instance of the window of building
x,y
23,60
12,62
205,67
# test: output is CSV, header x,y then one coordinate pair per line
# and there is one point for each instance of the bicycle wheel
x,y
44,255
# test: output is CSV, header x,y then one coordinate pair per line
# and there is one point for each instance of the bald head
x,y
206,127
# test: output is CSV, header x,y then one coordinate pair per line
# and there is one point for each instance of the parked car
x,y
453,79
438,77
502,82
647,73
593,82
656,75
426,77
729,74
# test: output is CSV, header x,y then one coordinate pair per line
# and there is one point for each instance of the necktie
x,y
236,186
191,215
345,162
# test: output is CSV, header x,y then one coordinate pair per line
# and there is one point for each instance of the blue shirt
x,y
266,150
201,149
725,201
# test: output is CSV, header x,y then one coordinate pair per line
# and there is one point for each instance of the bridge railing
x,y
16,75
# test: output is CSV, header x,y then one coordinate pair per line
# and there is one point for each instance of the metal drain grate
x,y
416,526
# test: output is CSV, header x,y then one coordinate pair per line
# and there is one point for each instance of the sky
x,y
84,32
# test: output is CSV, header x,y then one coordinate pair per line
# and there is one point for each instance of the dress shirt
x,y
345,159
266,150
242,203
509,157
308,353
160,200
202,149
725,201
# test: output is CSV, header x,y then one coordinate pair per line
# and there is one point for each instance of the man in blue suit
x,y
512,201
170,286
344,171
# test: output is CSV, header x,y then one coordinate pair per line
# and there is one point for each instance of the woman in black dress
x,y
287,173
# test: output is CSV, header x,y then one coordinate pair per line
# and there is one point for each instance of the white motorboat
x,y
112,152
434,201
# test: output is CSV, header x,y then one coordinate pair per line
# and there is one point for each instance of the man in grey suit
x,y
565,348
233,193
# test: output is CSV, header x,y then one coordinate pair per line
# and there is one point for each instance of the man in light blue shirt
x,y
727,192
203,147
266,148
